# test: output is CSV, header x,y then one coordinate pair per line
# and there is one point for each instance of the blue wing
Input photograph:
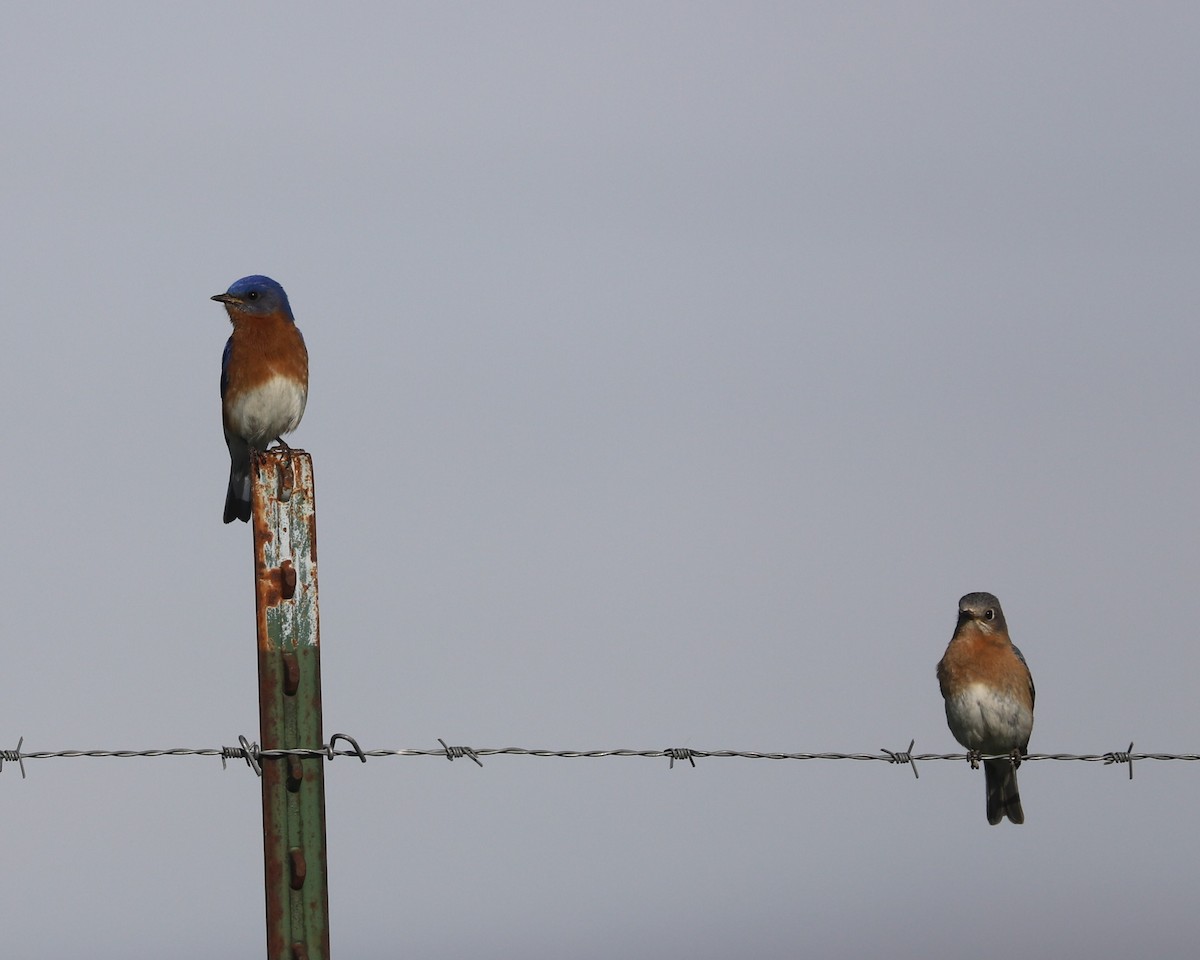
x,y
1021,657
225,366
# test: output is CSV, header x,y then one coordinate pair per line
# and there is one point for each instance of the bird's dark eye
x,y
989,614
252,295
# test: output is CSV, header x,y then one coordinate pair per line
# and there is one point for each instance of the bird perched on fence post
x,y
989,699
264,379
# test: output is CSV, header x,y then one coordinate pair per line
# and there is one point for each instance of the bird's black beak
x,y
225,298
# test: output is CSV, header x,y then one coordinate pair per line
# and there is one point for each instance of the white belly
x,y
269,411
983,720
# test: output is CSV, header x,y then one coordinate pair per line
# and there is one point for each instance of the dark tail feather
x,y
237,497
1003,800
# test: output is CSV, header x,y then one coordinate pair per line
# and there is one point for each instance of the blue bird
x,y
264,379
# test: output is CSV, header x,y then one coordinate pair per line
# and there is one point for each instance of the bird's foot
x,y
973,758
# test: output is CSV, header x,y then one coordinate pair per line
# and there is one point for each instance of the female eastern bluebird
x,y
989,699
264,379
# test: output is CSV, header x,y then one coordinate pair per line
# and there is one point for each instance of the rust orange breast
x,y
975,657
264,348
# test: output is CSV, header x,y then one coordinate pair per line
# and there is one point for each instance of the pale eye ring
x,y
989,614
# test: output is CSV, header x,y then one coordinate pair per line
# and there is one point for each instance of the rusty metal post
x,y
289,704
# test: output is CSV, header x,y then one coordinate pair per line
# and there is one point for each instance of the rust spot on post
x,y
286,480
271,588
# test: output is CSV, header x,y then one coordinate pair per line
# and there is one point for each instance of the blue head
x,y
255,296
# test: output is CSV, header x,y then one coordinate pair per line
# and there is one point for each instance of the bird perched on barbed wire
x,y
989,699
264,379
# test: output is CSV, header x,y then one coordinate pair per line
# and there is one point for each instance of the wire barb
x,y
350,740
903,756
1121,756
679,753
250,753
14,755
453,752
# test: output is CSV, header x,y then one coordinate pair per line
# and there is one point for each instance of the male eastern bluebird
x,y
264,379
989,699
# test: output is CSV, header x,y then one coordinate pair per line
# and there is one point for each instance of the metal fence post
x,y
289,703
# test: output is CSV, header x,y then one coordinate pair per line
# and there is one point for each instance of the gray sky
x,y
675,368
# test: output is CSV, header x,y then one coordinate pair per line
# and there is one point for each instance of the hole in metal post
x,y
295,775
298,867
291,672
287,580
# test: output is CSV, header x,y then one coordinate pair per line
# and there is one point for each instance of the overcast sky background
x,y
674,370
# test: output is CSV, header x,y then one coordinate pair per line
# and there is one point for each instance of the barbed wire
x,y
254,755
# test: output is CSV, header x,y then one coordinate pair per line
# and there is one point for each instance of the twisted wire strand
x,y
253,755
